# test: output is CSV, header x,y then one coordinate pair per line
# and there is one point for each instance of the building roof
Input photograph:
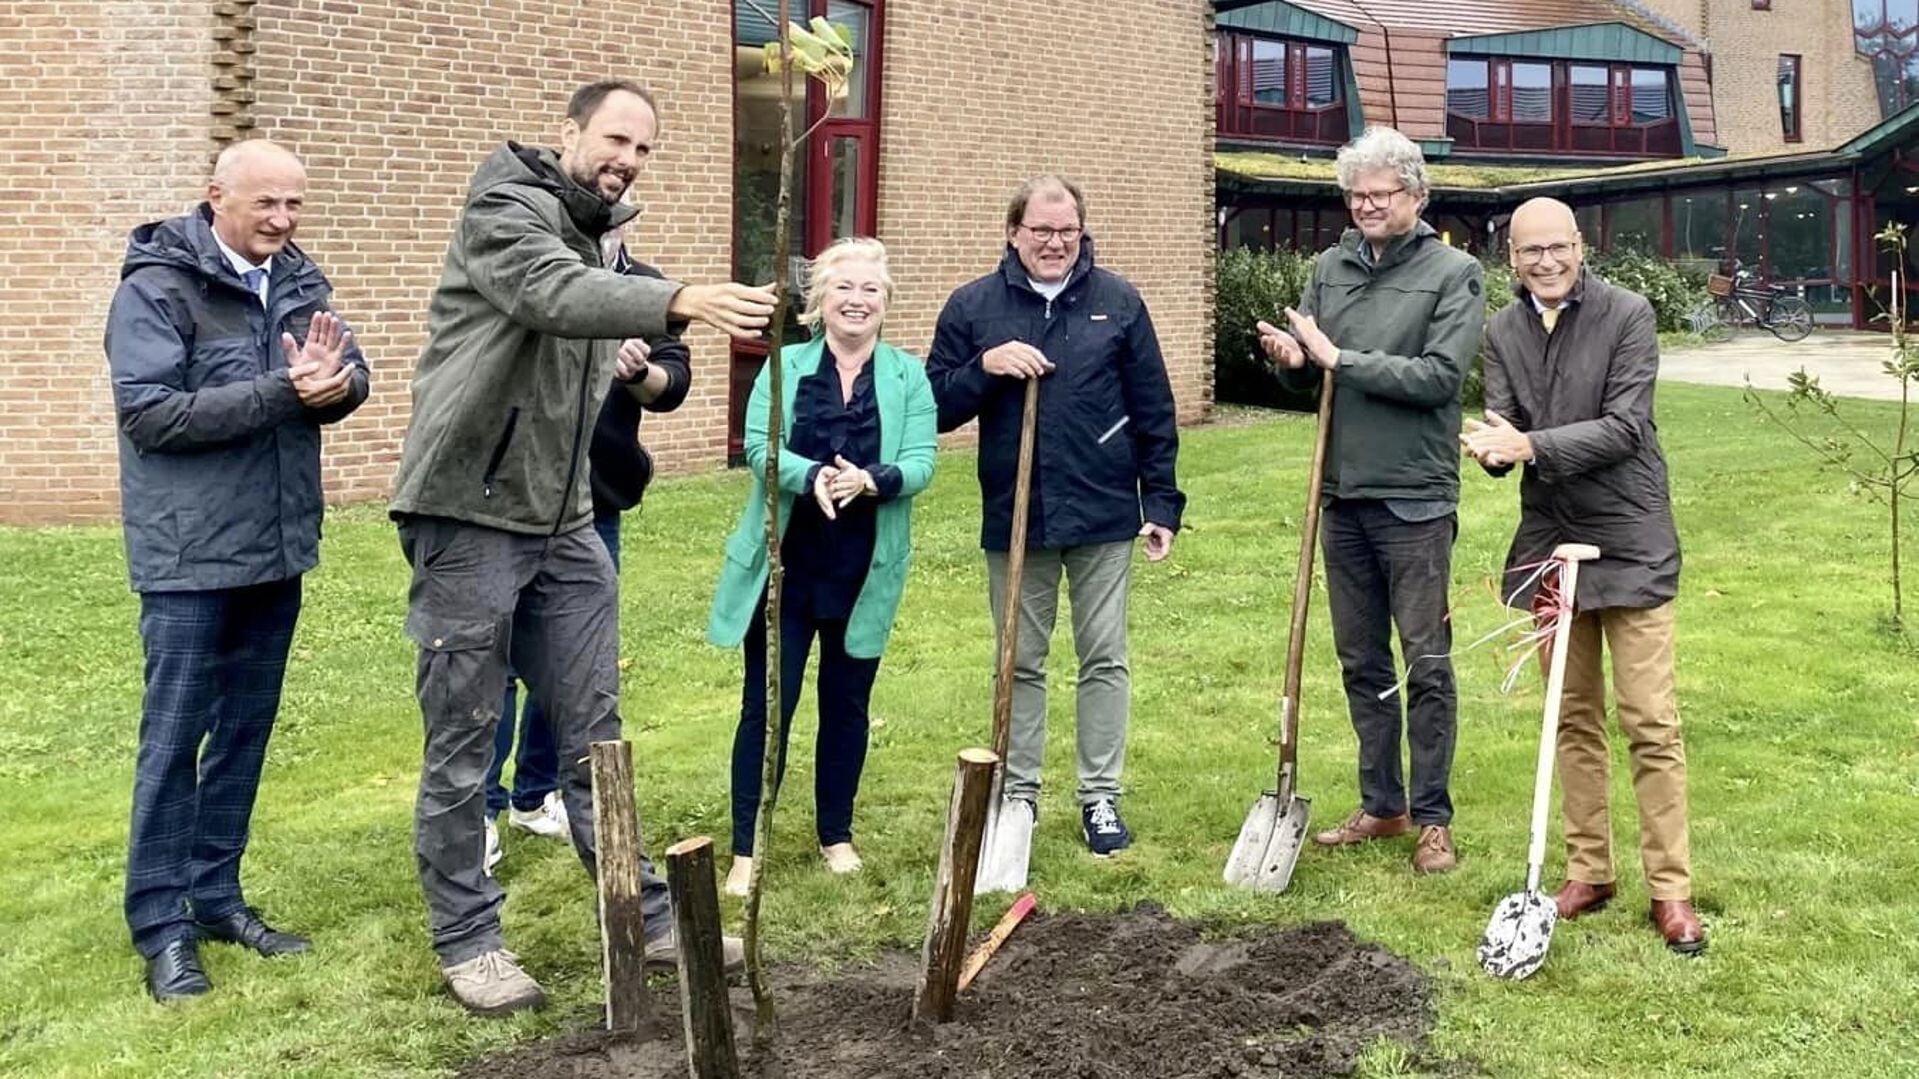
x,y
1279,174
1399,48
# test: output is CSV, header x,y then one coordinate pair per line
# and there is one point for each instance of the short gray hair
x,y
1383,148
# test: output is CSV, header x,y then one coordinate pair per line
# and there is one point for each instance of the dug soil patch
x,y
1132,996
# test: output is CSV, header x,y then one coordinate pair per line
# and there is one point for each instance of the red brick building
x,y
116,109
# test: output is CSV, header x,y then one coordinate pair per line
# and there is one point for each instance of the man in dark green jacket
x,y
1396,315
494,506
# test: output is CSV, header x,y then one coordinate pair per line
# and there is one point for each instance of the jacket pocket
x,y
438,633
499,452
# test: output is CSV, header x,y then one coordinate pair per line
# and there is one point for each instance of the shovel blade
x,y
1007,847
1269,843
1518,935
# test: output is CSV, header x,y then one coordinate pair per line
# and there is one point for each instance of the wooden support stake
x,y
704,1002
616,834
1008,922
953,888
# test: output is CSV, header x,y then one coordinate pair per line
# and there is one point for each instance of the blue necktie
x,y
256,281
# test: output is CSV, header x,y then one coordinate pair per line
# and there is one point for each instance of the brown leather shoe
x,y
1576,897
1434,853
1362,826
1676,921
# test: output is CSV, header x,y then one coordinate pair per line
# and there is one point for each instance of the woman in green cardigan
x,y
859,444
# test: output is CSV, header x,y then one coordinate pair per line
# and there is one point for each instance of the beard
x,y
590,180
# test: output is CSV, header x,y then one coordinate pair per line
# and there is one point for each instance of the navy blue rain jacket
x,y
219,460
1107,431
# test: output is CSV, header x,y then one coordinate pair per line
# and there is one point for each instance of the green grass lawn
x,y
1800,725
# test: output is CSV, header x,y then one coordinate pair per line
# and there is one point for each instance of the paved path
x,y
1847,362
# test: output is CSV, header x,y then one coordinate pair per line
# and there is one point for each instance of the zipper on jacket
x,y
499,452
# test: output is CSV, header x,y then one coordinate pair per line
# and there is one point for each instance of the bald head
x,y
256,193
1545,248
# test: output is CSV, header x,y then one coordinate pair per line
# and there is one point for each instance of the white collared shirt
x,y
1537,306
241,266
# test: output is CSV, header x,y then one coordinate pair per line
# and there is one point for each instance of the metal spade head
x,y
1007,847
1518,935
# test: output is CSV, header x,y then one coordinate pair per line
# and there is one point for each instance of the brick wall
x,y
392,104
1837,92
106,112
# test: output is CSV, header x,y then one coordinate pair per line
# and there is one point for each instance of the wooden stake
x,y
616,833
704,1002
953,888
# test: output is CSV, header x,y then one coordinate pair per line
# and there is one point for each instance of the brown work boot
x,y
1676,921
1576,898
1434,852
1362,826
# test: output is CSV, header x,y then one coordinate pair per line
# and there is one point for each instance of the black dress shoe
x,y
174,973
244,926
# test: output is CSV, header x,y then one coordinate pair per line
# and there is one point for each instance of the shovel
x,y
1275,828
1521,928
1008,842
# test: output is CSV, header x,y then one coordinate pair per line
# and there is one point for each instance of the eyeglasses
x,y
1381,199
1045,235
1531,254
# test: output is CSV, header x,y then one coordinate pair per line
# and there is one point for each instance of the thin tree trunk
x,y
765,1021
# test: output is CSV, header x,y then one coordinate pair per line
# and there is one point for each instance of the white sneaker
x,y
493,984
547,819
493,851
841,858
739,879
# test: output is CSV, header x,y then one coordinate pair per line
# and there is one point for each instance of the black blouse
x,y
827,559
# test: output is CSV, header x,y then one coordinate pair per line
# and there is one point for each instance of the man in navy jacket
x,y
225,360
1104,452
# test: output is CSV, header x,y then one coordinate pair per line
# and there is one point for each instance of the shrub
x,y
1253,285
1674,293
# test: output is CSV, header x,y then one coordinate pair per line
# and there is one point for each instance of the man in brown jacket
x,y
1569,395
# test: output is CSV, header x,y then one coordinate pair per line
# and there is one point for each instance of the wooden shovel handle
x,y
1303,589
1015,571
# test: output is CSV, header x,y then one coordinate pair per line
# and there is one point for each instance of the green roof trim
x,y
1597,41
1432,148
1890,130
1285,20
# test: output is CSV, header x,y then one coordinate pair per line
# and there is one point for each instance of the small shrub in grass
x,y
1253,285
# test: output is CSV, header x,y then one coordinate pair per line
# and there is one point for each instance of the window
x,y
1762,5
1537,106
1466,89
1275,88
1789,97
1884,30
836,179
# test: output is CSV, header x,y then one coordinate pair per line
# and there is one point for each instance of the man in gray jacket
x,y
494,508
226,360
1569,395
1396,315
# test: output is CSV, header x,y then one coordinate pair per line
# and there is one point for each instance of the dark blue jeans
x,y
214,665
536,768
1383,572
845,690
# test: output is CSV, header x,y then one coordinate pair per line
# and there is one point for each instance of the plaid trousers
x,y
214,665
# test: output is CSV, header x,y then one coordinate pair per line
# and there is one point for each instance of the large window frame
x,y
1514,123
1887,32
824,187
1294,117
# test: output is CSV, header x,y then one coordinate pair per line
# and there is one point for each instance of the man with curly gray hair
x,y
1393,316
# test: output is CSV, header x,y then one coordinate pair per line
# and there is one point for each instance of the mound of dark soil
x,y
1132,996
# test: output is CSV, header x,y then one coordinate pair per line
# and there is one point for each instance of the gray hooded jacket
x,y
521,340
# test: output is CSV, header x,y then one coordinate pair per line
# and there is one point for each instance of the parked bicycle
x,y
1744,300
